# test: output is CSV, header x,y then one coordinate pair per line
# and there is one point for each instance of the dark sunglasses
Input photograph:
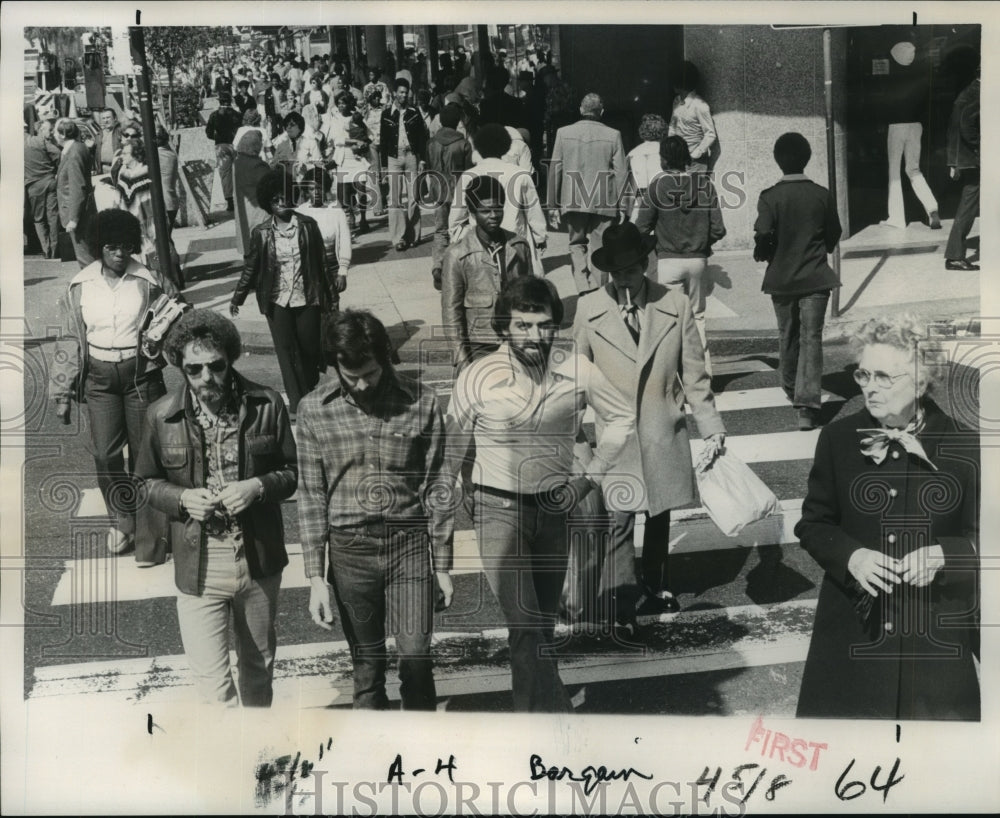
x,y
128,134
118,248
194,370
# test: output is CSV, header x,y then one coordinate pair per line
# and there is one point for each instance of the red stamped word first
x,y
794,751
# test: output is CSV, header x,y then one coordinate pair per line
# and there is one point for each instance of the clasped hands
x,y
236,497
876,571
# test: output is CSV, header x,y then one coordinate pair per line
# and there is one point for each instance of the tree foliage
x,y
61,41
170,47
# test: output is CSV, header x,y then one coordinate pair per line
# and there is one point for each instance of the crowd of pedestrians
x,y
306,158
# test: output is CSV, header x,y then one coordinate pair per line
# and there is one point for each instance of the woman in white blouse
x,y
643,161
347,141
98,360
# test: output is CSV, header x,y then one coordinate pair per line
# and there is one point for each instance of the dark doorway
x,y
631,67
874,81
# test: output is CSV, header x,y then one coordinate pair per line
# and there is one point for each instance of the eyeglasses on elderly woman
x,y
883,380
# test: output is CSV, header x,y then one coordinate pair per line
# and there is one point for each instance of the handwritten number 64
x,y
854,789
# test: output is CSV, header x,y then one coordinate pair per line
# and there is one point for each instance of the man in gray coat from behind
x,y
586,179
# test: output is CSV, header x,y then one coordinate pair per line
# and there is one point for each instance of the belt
x,y
531,499
111,355
382,530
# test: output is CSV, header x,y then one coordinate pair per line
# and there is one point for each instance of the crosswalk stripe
x,y
740,366
769,447
315,673
94,581
714,308
113,579
765,398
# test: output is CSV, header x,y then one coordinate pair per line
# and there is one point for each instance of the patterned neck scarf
x,y
876,442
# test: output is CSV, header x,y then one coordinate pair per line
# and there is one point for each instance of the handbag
x,y
732,494
156,323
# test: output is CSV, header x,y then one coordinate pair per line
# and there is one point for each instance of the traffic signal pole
x,y
137,46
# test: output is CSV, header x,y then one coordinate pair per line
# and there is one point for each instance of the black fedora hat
x,y
623,245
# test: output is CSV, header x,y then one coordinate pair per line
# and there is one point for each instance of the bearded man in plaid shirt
x,y
374,502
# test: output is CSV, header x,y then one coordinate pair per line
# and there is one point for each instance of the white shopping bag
x,y
732,494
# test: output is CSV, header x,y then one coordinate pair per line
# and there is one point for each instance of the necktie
x,y
630,312
876,444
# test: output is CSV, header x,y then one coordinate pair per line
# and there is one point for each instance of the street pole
x,y
137,45
831,157
432,52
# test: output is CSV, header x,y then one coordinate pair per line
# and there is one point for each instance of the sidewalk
x,y
882,270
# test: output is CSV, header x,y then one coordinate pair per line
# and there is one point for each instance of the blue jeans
x,y
800,346
229,593
524,553
381,581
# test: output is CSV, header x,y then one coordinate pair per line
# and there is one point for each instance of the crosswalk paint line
x,y
714,308
692,530
133,583
763,398
773,634
91,504
741,366
774,396
771,447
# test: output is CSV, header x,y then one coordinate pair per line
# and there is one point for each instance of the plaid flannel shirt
x,y
379,469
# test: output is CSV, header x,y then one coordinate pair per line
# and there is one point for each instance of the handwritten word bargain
x,y
773,743
590,776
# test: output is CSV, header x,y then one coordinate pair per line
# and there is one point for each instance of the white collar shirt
x,y
111,312
525,431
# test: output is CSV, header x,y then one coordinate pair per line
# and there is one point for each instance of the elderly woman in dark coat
x,y
892,515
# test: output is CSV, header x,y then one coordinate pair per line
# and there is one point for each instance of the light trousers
x,y
229,593
689,275
904,145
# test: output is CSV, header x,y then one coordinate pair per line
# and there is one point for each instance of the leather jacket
x,y
172,459
416,133
261,268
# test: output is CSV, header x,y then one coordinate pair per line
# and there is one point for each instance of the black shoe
x,y
808,419
436,276
401,247
960,264
934,220
663,601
